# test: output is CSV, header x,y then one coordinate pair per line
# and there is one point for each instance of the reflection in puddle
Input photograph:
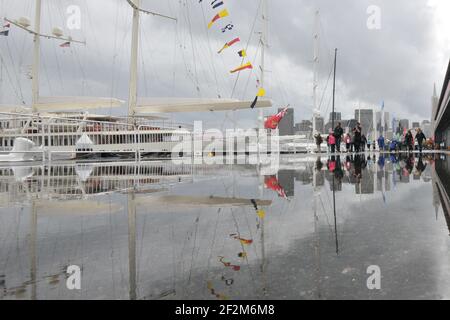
x,y
156,230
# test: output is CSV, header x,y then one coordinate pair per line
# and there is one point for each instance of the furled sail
x,y
52,104
162,105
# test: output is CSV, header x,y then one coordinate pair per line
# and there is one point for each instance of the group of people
x,y
357,142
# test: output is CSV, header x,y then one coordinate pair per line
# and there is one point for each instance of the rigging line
x,y
114,55
210,51
188,15
144,72
326,86
58,67
16,73
250,75
247,45
10,80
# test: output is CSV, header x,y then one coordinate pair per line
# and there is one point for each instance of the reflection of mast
x,y
33,259
316,221
335,218
132,244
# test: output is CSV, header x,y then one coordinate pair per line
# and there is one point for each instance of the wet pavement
x,y
155,230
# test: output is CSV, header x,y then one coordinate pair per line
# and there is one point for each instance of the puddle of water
x,y
309,230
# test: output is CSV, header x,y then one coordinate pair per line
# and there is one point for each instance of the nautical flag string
x,y
229,44
221,14
261,93
215,4
242,53
248,65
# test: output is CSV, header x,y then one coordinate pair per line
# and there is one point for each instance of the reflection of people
x,y
420,167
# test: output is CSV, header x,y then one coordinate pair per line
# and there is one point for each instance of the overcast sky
x,y
397,63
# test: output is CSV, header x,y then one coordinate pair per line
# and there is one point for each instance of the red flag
x,y
273,121
65,44
272,183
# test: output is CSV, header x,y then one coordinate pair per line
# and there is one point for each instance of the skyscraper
x,y
286,125
365,117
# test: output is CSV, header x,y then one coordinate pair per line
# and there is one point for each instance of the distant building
x,y
427,129
365,117
382,128
337,116
320,124
415,125
396,126
303,128
286,125
404,124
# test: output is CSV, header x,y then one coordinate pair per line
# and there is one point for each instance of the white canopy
x,y
76,103
163,105
15,109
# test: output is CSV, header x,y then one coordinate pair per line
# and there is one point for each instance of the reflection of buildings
x,y
378,176
441,187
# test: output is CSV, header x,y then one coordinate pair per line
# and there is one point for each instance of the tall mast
x,y
36,56
316,112
264,41
334,88
132,97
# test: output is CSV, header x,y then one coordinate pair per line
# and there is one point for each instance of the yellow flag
x,y
261,92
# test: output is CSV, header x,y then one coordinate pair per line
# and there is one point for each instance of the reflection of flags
x,y
273,121
248,65
65,45
242,53
229,44
261,93
272,183
221,14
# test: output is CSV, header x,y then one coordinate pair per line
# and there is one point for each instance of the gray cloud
x,y
398,63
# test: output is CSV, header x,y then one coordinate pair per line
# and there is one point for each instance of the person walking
x,y
338,132
369,144
319,141
357,137
363,143
381,143
332,142
348,142
420,137
409,141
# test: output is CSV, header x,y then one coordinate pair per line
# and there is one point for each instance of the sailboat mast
x,y
36,56
316,112
264,36
334,89
132,97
